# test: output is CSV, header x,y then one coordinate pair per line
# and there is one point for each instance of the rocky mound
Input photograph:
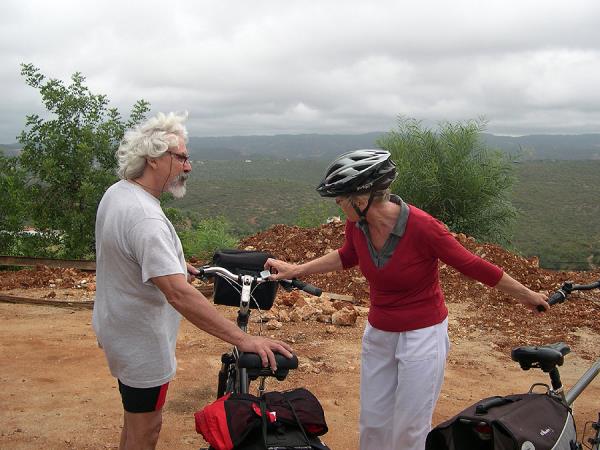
x,y
477,309
481,309
47,277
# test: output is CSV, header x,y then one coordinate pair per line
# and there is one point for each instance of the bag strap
x,y
263,418
486,405
298,422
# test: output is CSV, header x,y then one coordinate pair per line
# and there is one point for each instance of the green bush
x,y
40,244
315,214
180,219
207,236
13,210
452,175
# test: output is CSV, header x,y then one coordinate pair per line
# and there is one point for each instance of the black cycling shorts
x,y
141,400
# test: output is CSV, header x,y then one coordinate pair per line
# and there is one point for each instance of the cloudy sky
x,y
327,66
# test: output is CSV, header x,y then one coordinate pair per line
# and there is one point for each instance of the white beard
x,y
177,186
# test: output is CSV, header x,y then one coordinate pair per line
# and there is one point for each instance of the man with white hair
x,y
141,275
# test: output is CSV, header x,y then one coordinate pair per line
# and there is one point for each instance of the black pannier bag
x,y
515,422
243,262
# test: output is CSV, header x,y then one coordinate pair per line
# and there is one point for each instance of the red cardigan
x,y
405,293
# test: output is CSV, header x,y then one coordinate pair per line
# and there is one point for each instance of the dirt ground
x,y
57,391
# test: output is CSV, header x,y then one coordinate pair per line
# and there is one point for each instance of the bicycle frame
x,y
582,383
559,297
572,394
577,389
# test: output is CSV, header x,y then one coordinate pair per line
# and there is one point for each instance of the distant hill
x,y
327,146
549,146
10,149
282,146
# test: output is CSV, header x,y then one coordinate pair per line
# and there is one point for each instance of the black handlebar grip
x,y
308,288
557,297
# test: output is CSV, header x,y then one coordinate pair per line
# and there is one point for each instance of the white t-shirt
x,y
134,323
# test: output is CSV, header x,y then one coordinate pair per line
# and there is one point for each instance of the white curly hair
x,y
150,139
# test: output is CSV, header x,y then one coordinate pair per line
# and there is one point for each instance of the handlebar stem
x,y
245,297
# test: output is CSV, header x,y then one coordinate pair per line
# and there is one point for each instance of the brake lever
x,y
200,275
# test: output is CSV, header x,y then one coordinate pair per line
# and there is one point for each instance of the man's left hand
x,y
265,349
191,272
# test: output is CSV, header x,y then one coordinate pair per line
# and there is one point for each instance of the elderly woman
x,y
405,343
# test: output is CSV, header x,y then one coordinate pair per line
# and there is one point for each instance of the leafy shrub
x,y
207,236
452,175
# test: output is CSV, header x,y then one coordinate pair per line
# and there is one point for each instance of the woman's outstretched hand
x,y
530,299
281,270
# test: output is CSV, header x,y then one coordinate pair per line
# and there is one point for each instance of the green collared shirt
x,y
382,257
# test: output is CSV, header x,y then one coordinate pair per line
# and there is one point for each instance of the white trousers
x,y
401,379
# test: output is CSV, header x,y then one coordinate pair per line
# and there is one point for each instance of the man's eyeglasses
x,y
181,158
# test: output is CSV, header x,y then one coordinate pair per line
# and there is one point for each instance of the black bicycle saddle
x,y
545,357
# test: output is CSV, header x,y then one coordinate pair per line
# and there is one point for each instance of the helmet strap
x,y
362,215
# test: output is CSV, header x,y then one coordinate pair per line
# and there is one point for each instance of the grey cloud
x,y
269,67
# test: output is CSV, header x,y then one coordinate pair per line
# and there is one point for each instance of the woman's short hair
x,y
151,139
382,195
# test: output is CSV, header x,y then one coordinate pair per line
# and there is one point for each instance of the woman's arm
x,y
284,270
450,251
524,295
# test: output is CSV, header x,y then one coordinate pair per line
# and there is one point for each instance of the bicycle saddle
x,y
253,363
545,357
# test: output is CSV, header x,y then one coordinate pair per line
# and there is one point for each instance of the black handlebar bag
x,y
243,262
515,422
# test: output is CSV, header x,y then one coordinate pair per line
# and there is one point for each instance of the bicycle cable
x,y
260,313
236,286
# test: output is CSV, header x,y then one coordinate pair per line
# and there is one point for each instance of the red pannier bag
x,y
225,423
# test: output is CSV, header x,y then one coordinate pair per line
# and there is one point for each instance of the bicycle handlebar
x,y
308,288
286,284
561,295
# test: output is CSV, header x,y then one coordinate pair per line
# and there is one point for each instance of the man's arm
x,y
192,305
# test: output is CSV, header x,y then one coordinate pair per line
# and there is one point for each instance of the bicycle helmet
x,y
357,172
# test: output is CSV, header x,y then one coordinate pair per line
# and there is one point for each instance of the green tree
x,y
12,203
451,174
70,157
